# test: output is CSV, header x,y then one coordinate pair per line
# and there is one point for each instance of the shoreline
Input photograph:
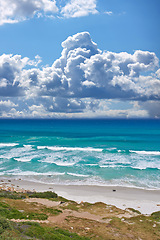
x,y
145,201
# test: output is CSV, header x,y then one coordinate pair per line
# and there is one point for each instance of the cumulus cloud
x,y
11,72
7,104
120,75
79,8
12,11
56,105
82,72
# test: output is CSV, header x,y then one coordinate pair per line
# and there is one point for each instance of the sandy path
x,y
69,213
62,216
46,202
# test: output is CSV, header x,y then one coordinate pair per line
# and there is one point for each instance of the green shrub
x,y
36,216
156,215
34,230
47,195
9,212
26,230
11,195
52,211
4,224
134,210
46,233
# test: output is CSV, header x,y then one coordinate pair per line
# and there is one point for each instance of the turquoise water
x,y
92,152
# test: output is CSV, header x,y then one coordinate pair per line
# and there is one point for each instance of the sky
x,y
79,59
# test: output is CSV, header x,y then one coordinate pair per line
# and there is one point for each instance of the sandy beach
x,y
145,201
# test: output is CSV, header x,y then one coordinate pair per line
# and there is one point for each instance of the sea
x,y
101,152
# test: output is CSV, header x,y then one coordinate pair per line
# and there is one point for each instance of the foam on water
x,y
15,152
108,166
77,175
2,145
64,163
56,148
23,159
146,152
84,152
66,156
146,165
58,163
29,147
91,164
18,172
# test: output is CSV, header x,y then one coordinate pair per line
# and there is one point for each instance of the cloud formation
x,y
11,71
14,11
80,79
108,13
79,8
84,71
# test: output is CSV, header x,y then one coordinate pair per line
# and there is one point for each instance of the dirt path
x,y
46,202
71,213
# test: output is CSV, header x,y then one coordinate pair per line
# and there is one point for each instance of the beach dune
x,y
145,201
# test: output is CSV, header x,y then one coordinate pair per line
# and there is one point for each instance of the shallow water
x,y
92,152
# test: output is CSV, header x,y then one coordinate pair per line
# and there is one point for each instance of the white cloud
x,y
120,75
11,74
48,107
108,13
79,8
13,11
7,104
82,72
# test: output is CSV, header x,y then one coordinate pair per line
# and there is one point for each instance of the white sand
x,y
146,201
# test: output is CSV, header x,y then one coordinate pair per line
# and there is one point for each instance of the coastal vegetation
x,y
31,215
48,195
33,230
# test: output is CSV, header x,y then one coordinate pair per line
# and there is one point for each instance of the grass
x,y
45,233
48,195
11,195
16,195
134,210
4,225
156,216
31,230
72,206
117,228
52,211
12,213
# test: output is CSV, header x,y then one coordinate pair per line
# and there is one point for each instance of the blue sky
x,y
112,72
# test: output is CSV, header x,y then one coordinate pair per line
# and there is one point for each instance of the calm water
x,y
96,152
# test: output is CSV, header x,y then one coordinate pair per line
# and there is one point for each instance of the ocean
x,y
82,152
